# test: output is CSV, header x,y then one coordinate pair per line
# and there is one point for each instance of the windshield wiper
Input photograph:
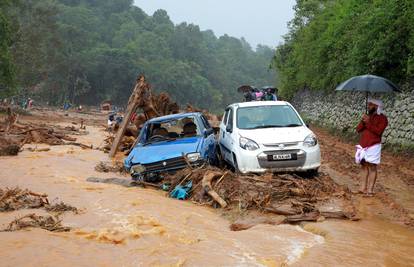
x,y
293,125
267,126
167,139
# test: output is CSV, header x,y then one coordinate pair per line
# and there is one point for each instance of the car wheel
x,y
312,173
236,166
219,161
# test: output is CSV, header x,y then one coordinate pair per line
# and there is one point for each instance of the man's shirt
x,y
371,132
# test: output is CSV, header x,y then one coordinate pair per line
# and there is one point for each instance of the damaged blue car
x,y
169,143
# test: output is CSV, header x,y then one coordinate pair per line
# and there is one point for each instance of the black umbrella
x,y
369,84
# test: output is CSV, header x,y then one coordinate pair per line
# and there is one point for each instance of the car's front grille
x,y
298,159
165,165
277,145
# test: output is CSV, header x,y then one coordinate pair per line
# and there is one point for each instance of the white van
x,y
261,136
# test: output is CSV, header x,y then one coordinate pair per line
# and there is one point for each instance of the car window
x,y
173,129
230,121
205,122
267,116
226,116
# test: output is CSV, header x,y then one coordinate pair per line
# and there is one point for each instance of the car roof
x,y
259,103
174,117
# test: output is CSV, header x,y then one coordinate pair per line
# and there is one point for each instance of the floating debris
x,y
32,220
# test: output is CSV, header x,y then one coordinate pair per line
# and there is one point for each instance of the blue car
x,y
167,143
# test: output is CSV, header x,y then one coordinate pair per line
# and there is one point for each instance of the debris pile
x,y
16,199
48,222
60,208
295,197
110,167
13,135
144,105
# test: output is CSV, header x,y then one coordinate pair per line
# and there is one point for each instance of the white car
x,y
261,136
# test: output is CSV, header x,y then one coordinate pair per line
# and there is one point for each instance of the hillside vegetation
x,y
86,51
330,41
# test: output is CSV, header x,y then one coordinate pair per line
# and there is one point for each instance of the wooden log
x,y
132,106
80,145
306,217
281,210
206,183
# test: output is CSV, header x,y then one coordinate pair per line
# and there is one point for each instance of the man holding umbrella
x,y
371,128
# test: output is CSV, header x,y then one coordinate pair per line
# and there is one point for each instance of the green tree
x,y
7,74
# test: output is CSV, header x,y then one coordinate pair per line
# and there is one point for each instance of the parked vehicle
x,y
166,143
267,136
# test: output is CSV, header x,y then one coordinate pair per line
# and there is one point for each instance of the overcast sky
x,y
258,21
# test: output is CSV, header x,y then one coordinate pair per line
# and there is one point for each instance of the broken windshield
x,y
172,129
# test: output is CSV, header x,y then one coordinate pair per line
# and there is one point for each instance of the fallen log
x,y
281,210
38,149
339,215
33,129
206,184
132,106
306,217
79,144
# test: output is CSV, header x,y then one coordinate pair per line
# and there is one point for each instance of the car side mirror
x,y
307,125
207,132
229,128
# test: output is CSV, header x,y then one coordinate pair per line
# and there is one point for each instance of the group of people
x,y
255,94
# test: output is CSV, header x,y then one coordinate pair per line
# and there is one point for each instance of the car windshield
x,y
267,117
172,129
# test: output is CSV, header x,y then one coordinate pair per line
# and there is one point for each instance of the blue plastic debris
x,y
181,192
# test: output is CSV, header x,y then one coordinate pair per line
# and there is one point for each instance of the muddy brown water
x,y
121,226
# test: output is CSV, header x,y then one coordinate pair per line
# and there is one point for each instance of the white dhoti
x,y
370,154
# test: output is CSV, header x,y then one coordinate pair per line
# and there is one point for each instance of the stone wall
x,y
343,111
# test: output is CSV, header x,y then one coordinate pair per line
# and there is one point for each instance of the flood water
x,y
121,226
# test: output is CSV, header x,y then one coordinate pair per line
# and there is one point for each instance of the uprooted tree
x,y
151,106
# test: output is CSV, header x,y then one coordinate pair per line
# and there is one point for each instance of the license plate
x,y
282,156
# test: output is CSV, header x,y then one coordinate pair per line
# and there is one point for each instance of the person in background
x,y
258,95
30,103
269,96
368,154
66,105
249,95
111,121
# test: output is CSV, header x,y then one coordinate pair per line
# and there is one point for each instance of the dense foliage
x,y
6,66
332,40
86,51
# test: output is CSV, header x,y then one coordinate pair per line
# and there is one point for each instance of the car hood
x,y
276,135
162,151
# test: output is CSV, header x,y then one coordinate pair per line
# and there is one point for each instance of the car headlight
x,y
137,169
310,140
248,144
192,157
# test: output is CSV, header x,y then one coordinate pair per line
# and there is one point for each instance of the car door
x,y
226,129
